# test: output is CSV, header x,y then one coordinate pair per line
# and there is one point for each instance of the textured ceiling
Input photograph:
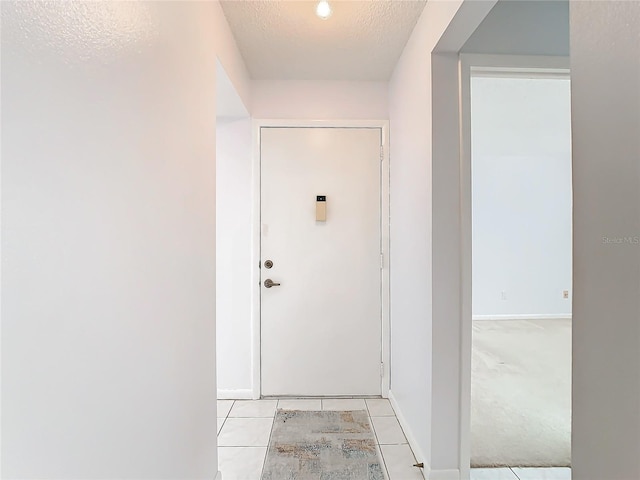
x,y
362,40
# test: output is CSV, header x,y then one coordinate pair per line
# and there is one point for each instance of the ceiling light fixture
x,y
323,9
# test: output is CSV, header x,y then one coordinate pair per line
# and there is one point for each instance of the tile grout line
x,y
398,444
273,422
245,418
221,427
224,421
406,442
375,434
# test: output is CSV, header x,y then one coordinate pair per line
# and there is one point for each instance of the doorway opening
x,y
521,242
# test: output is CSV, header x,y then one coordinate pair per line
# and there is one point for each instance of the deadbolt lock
x,y
268,264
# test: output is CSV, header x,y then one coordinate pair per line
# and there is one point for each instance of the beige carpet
x,y
521,393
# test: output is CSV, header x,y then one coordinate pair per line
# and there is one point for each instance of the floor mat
x,y
312,445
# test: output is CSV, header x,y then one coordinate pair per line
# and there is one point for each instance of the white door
x,y
321,327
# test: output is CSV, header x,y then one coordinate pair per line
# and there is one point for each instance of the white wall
x,y
410,264
328,100
108,238
605,96
415,378
229,104
521,173
228,54
523,27
234,202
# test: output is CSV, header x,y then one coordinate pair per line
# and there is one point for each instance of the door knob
x,y
270,283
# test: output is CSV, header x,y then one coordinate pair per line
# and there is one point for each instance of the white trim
x,y
480,63
243,394
406,428
383,125
385,200
452,474
515,63
504,72
464,80
255,261
219,475
329,123
544,316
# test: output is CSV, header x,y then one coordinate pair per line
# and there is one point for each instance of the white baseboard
x,y
544,316
417,451
219,476
453,474
244,394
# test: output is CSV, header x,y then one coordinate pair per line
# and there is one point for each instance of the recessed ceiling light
x,y
323,9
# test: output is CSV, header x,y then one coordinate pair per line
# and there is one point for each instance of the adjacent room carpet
x,y
310,445
521,393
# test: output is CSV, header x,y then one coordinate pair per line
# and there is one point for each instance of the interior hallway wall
x,y
234,190
108,237
319,100
229,57
605,103
523,27
426,406
521,187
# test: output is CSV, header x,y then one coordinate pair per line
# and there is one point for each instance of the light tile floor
x,y
520,473
244,428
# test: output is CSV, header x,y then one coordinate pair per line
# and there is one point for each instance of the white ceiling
x,y
285,40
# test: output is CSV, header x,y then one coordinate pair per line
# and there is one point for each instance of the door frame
x,y
514,65
383,125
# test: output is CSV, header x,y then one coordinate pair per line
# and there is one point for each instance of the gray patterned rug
x,y
322,446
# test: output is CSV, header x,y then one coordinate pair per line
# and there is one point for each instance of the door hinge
x,y
381,261
381,153
381,369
